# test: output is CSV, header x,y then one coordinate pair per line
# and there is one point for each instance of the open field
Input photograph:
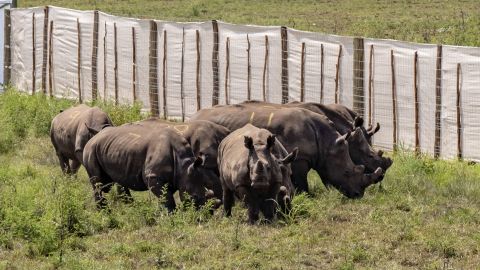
x,y
426,218
431,21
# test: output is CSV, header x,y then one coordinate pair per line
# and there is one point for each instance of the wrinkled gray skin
x,y
321,147
203,136
70,132
255,168
360,149
344,118
139,158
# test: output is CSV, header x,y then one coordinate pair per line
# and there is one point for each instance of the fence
x,y
426,97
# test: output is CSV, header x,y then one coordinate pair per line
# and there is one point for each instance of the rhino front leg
x,y
155,185
75,165
268,209
124,194
252,203
300,170
228,201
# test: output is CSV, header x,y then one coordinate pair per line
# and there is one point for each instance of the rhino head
x,y
264,168
340,171
361,152
195,181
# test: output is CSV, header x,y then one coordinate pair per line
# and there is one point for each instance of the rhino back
x,y
125,152
64,127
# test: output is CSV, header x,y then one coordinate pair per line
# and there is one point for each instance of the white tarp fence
x,y
178,92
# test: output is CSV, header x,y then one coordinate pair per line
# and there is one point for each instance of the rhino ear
x,y
270,141
91,130
358,122
290,157
248,142
371,131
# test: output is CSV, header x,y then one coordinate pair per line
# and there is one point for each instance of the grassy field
x,y
427,216
431,21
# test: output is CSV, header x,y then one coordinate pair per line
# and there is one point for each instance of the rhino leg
x,y
64,163
300,170
268,209
228,201
74,166
124,194
157,189
99,188
252,203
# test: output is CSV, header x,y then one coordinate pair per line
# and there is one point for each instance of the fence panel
x,y
402,82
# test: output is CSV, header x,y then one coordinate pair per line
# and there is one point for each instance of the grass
x,y
427,21
427,216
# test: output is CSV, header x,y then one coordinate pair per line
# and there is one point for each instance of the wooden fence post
x,y
438,102
227,68
322,68
249,71
199,103
284,37
105,63
164,83
459,115
115,68
215,63
394,100
265,70
153,63
415,94
337,74
302,74
45,50
79,61
34,57
50,60
182,94
95,55
358,76
370,86
7,65
134,65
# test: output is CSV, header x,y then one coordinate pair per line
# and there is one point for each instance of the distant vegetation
x,y
425,217
427,21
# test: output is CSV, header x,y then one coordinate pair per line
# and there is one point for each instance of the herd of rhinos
x,y
258,152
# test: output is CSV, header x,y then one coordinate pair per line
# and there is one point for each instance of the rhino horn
x,y
290,157
374,177
259,168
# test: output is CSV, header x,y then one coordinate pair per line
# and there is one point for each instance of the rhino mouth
x,y
259,184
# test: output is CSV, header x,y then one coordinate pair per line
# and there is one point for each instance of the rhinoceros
x,y
360,149
70,131
255,168
204,138
321,147
139,158
344,118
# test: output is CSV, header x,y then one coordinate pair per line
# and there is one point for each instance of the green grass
x,y
431,21
427,216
